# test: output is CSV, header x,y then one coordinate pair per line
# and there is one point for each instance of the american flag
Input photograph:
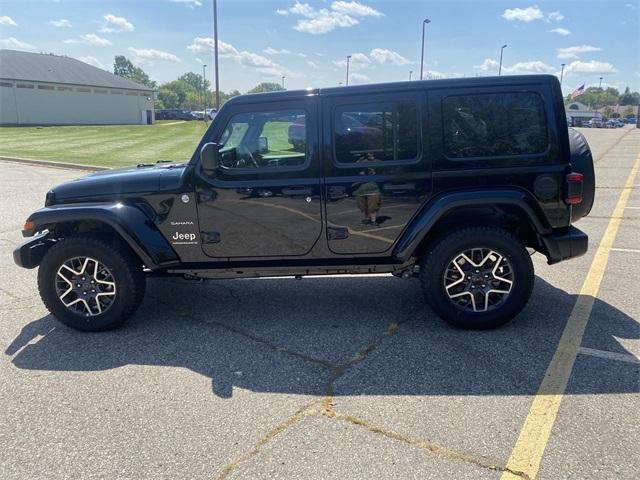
x,y
577,92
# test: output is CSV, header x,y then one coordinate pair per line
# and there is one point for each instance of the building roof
x,y
38,67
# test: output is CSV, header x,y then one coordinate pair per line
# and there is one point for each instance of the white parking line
x,y
621,357
171,123
633,208
628,250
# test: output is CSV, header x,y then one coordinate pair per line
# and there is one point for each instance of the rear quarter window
x,y
494,125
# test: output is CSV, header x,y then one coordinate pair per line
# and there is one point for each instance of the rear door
x,y
376,171
264,200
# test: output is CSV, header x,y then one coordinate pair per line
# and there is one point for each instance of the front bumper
x,y
30,253
565,245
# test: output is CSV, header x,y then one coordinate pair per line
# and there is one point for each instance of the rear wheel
x,y
89,284
477,277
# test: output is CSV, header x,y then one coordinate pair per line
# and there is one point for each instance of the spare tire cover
x,y
582,162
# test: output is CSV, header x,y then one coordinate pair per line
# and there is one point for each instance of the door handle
x,y
297,191
392,187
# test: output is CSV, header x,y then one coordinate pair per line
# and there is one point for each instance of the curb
x,y
47,163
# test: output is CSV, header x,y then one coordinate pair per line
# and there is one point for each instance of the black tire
x,y
124,267
441,255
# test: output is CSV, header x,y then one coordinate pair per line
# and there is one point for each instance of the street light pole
x,y
424,24
215,51
283,77
348,58
500,67
600,85
562,72
410,73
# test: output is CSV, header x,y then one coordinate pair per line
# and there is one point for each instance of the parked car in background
x,y
594,123
198,114
174,114
211,112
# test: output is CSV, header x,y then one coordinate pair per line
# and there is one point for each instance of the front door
x,y
377,172
264,200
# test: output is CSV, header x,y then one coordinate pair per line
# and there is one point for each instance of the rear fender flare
x,y
438,207
128,221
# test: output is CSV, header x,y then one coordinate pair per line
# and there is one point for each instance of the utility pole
x,y
283,77
500,67
348,59
410,73
562,72
424,24
215,52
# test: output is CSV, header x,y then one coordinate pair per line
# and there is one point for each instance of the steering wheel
x,y
245,152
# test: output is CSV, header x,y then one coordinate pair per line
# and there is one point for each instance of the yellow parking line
x,y
529,448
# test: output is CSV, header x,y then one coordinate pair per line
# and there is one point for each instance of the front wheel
x,y
477,277
89,284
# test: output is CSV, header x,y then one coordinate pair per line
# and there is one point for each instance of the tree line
x,y
190,91
598,98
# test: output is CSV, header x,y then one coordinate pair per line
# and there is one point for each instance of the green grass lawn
x,y
107,146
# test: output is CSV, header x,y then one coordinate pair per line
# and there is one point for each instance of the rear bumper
x,y
563,246
30,253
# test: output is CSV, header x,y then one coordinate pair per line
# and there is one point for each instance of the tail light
x,y
574,188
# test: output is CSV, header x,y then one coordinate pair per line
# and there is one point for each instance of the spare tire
x,y
582,162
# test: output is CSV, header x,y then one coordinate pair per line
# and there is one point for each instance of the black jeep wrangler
x,y
454,181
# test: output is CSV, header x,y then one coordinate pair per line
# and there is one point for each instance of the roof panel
x,y
38,67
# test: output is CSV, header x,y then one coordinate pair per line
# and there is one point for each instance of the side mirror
x,y
263,144
209,157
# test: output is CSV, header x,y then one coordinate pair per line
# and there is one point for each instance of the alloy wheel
x,y
85,286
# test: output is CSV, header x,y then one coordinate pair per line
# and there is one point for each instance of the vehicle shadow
x,y
283,336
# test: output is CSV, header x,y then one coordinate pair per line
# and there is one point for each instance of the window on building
x,y
83,90
65,89
132,94
491,125
45,87
25,85
6,84
377,131
267,139
97,90
117,92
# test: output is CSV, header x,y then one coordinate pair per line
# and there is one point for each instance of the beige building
x,y
39,89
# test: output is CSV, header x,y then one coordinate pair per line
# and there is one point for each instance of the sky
x,y
307,42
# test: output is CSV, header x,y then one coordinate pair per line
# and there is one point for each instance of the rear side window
x,y
377,131
494,125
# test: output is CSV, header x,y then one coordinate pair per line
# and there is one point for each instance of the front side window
x,y
379,132
494,125
255,140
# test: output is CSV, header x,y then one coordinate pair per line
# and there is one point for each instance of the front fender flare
x,y
129,221
443,204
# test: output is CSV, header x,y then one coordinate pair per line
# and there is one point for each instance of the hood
x,y
118,183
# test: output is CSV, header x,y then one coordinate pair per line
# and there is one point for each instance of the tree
x,y
266,87
168,98
174,94
628,112
195,80
629,98
123,67
598,98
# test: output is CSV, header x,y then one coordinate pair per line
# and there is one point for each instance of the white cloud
x,y
528,14
15,44
264,65
557,16
189,3
62,23
313,65
275,51
572,52
340,14
631,6
520,68
116,24
152,54
382,55
359,78
90,39
560,31
592,66
7,21
94,61
357,60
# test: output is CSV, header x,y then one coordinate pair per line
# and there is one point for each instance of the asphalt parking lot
x,y
332,377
